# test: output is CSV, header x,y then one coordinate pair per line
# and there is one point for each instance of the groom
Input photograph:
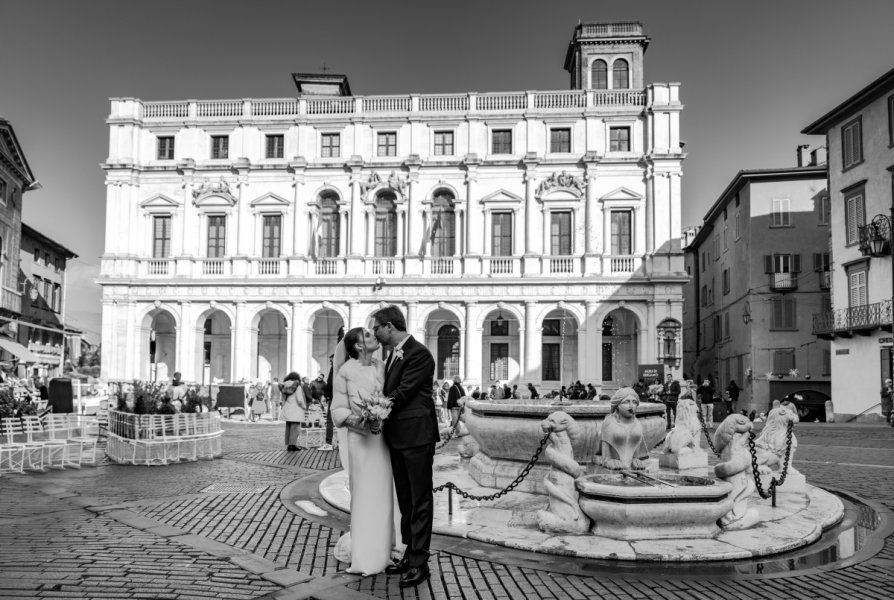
x,y
411,433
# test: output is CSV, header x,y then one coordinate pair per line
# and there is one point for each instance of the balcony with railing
x,y
825,280
844,322
502,266
783,282
458,104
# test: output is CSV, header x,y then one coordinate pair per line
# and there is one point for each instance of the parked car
x,y
811,405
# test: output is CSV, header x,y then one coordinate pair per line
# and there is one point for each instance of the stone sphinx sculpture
x,y
731,441
681,449
622,443
564,514
771,444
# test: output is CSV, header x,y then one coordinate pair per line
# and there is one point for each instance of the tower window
x,y
599,75
501,141
220,146
443,143
166,148
620,74
386,144
330,145
276,146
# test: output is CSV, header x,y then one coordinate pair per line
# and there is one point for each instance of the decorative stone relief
x,y
395,181
563,180
623,445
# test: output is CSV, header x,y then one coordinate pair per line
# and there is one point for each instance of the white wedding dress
x,y
372,484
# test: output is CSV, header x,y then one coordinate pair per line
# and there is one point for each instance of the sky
x,y
753,74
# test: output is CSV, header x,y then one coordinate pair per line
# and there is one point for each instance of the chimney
x,y
818,156
802,155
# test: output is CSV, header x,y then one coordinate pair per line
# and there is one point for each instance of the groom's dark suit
x,y
411,432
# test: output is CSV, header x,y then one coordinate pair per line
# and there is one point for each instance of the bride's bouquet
x,y
374,409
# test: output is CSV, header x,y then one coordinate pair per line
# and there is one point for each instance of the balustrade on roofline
x,y
435,103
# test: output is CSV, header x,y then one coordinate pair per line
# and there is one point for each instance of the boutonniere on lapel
x,y
398,354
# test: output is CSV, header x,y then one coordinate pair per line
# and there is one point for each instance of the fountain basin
x,y
507,432
624,508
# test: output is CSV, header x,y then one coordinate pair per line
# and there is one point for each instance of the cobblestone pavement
x,y
219,529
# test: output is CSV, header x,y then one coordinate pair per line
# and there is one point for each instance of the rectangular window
x,y
499,327
276,146
57,297
738,225
166,148
51,297
781,216
552,327
220,146
386,233
2,191
622,239
857,292
217,233
619,139
822,262
725,238
560,140
36,284
827,362
38,256
560,233
716,246
161,236
725,282
552,362
501,141
386,143
271,237
852,143
330,145
499,362
704,295
726,325
783,361
783,313
854,216
718,331
891,120
501,234
825,216
443,143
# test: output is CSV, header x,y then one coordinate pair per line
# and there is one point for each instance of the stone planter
x,y
163,439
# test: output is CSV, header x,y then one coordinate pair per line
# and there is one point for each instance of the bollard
x,y
773,493
450,502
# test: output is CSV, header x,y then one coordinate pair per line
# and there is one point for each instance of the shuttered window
x,y
857,288
852,143
783,313
855,215
161,236
560,233
783,361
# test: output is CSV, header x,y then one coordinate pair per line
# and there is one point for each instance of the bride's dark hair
x,y
352,337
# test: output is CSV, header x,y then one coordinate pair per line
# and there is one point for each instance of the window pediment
x,y
159,202
502,196
213,194
269,201
622,195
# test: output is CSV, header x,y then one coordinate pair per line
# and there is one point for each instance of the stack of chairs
x,y
12,453
71,429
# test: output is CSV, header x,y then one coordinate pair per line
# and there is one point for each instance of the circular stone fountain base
x,y
797,520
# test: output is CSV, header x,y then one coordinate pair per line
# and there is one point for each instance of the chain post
x,y
774,483
701,419
450,502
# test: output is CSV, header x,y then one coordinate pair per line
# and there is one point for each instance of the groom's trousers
x,y
412,470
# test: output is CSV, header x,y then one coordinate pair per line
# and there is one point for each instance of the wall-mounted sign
x,y
651,373
886,340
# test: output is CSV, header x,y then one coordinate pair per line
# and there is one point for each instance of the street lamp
x,y
875,238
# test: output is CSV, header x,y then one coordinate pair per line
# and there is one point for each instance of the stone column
x,y
401,231
370,215
473,344
356,223
240,353
531,333
299,234
185,362
136,353
297,343
474,221
412,317
592,341
354,316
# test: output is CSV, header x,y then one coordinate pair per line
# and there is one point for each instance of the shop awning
x,y
16,349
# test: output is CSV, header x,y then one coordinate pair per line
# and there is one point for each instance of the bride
x,y
369,468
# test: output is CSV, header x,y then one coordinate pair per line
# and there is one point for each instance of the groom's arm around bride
x,y
411,432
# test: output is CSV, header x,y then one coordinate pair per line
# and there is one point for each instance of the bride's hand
x,y
375,428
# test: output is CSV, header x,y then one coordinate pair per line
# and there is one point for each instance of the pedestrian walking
x,y
294,407
887,395
705,400
275,400
733,396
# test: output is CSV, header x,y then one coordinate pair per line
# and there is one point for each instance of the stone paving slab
x,y
78,553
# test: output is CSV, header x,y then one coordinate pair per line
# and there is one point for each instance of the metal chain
x,y
521,476
701,419
774,483
449,437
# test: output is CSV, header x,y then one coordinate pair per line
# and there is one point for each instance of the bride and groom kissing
x,y
397,462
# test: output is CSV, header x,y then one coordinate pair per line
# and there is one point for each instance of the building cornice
x,y
879,87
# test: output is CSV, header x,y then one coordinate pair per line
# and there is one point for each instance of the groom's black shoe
x,y
415,576
398,568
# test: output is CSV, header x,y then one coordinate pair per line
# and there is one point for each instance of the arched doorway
x,y
325,326
559,349
158,346
501,349
214,347
442,335
620,330
270,345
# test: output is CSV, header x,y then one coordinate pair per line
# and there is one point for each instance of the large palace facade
x,y
529,236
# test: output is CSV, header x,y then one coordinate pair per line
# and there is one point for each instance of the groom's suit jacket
x,y
408,381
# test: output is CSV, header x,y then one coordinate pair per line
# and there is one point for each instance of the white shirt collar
x,y
400,345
